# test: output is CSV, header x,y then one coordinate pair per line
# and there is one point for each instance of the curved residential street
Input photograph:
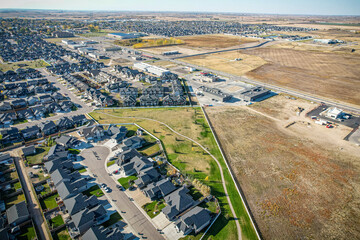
x,y
205,149
129,211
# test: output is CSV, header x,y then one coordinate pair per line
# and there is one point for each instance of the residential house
x,y
64,123
66,106
30,132
67,141
80,202
129,101
101,233
25,114
32,100
85,219
17,214
5,106
19,103
53,107
132,142
5,158
173,100
95,132
10,135
8,118
45,99
56,151
126,156
58,164
159,189
149,100
117,133
67,189
30,150
38,111
79,119
48,127
193,221
147,176
136,165
177,202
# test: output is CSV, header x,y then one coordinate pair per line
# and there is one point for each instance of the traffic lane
x,y
132,215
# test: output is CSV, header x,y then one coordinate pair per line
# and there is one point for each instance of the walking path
x,y
33,206
205,149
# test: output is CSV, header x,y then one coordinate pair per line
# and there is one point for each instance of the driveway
x,y
131,214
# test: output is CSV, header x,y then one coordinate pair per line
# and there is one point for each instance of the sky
x,y
311,7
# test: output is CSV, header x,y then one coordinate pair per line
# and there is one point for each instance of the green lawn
x,y
23,64
94,190
39,156
114,218
81,170
74,151
125,181
195,193
46,189
26,233
13,200
153,208
56,221
61,234
49,202
209,205
17,185
150,149
20,121
110,163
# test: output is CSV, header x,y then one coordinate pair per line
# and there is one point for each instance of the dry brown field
x,y
215,41
225,62
301,182
331,75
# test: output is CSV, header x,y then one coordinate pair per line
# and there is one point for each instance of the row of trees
x,y
205,190
93,28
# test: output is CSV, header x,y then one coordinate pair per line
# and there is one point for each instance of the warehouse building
x,y
170,53
254,93
125,35
151,69
216,94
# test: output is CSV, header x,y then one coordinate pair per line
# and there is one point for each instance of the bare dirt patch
x,y
215,41
225,62
297,187
330,75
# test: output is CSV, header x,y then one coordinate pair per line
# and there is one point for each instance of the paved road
x,y
34,208
66,92
133,216
217,162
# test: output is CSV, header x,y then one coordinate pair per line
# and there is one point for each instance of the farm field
x,y
225,62
299,185
330,75
188,157
23,64
215,41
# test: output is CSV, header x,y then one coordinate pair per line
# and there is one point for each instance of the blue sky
x,y
323,7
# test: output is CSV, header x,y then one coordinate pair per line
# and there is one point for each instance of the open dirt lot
x,y
225,62
330,75
301,182
215,41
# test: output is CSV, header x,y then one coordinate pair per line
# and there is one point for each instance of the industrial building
x,y
254,93
151,69
216,93
111,48
334,113
170,53
126,35
62,34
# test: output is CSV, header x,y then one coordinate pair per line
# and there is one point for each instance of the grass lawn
x,y
74,151
149,149
195,193
61,234
49,202
46,189
81,170
94,190
17,185
153,208
114,218
20,121
13,200
125,181
39,156
27,233
109,163
190,158
209,205
56,221
24,64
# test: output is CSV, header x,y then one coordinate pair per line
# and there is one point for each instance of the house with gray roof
x,y
56,151
117,133
149,100
135,165
126,156
193,221
25,114
67,189
30,150
79,119
67,141
5,158
58,164
147,176
101,233
177,202
17,214
132,142
48,127
85,219
64,123
159,189
79,202
38,111
94,132
31,132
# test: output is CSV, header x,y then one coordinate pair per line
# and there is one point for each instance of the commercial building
x,y
60,34
254,93
126,35
170,53
334,113
216,93
111,48
151,69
